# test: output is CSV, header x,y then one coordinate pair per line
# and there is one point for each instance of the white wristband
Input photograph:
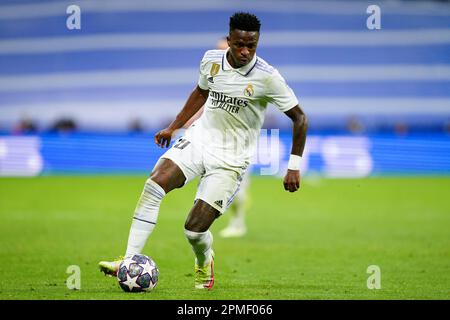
x,y
294,162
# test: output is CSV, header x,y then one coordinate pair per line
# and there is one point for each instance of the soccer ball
x,y
138,273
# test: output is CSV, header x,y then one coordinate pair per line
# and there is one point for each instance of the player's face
x,y
242,47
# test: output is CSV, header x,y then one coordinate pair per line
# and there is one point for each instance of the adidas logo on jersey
x,y
219,203
211,79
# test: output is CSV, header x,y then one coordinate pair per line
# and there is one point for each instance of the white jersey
x,y
234,112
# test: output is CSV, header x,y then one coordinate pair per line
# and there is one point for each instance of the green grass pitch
x,y
314,244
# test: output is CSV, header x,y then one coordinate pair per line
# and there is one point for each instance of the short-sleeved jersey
x,y
235,109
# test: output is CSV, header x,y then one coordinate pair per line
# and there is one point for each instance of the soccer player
x,y
236,86
236,224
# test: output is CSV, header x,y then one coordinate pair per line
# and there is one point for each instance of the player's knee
x,y
201,217
168,175
196,222
160,180
195,225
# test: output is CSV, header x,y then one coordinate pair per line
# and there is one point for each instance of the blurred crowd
x,y
353,125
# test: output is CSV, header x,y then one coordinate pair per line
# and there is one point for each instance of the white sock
x,y
145,217
201,243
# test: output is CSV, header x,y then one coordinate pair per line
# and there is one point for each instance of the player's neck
x,y
230,60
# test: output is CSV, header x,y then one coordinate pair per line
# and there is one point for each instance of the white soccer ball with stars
x,y
138,273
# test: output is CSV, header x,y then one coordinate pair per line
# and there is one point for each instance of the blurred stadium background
x,y
79,108
77,101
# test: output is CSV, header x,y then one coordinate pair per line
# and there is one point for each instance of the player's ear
x,y
228,41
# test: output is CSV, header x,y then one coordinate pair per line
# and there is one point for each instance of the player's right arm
x,y
194,118
193,104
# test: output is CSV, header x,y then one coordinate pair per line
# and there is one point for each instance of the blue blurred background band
x,y
339,156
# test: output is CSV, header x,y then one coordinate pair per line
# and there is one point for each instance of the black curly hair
x,y
244,21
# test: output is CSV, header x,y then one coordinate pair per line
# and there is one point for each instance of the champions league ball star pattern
x,y
138,273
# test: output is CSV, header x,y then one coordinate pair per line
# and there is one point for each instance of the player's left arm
x,y
299,128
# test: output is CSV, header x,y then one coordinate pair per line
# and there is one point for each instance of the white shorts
x,y
219,182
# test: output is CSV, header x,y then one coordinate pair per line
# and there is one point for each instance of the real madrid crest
x,y
248,91
214,69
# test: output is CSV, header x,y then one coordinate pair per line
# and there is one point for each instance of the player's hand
x,y
292,180
163,138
